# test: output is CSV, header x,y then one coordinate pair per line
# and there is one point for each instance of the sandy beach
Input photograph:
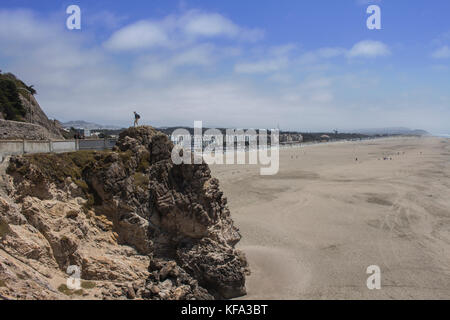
x,y
311,231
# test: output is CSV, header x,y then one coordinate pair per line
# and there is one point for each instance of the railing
x,y
17,147
106,144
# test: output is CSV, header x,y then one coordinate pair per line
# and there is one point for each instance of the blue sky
x,y
303,65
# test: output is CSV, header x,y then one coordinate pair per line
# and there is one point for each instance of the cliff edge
x,y
133,223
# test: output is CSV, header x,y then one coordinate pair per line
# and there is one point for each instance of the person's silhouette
x,y
136,119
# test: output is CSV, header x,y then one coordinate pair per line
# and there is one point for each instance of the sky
x,y
300,65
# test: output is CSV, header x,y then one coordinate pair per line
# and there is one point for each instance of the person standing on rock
x,y
136,119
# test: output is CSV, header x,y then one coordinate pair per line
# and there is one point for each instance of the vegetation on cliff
x,y
10,104
18,104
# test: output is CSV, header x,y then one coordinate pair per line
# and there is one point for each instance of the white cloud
x,y
201,24
278,58
442,53
282,58
139,35
186,79
106,19
175,31
208,25
330,52
312,57
315,91
158,67
369,49
25,27
322,97
262,66
201,55
317,83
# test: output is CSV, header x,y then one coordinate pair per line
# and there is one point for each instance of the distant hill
x,y
88,125
392,131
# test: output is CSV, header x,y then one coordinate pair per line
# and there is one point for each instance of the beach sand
x,y
311,231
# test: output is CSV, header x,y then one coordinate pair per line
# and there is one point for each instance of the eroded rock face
x,y
13,130
36,115
137,225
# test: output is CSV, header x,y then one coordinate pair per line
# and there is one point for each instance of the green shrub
x,y
10,103
126,156
69,292
87,285
141,180
144,164
4,229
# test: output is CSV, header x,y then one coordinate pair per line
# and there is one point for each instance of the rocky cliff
x,y
35,115
135,224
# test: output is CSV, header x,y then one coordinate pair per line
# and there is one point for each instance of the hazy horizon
x,y
350,130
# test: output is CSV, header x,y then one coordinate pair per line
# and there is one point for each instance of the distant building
x,y
181,139
291,138
83,133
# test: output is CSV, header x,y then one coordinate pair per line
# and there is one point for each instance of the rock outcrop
x,y
35,115
135,224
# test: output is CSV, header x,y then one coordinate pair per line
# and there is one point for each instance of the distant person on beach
x,y
136,119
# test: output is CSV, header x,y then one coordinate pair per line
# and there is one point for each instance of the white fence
x,y
16,147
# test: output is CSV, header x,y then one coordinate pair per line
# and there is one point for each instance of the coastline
x,y
311,231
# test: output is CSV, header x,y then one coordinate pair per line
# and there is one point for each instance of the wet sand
x,y
311,231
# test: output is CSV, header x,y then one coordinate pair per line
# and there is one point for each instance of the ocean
x,y
442,135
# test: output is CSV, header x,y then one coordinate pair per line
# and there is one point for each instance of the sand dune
x,y
311,231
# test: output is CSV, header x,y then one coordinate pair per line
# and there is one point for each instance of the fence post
x,y
50,149
23,146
